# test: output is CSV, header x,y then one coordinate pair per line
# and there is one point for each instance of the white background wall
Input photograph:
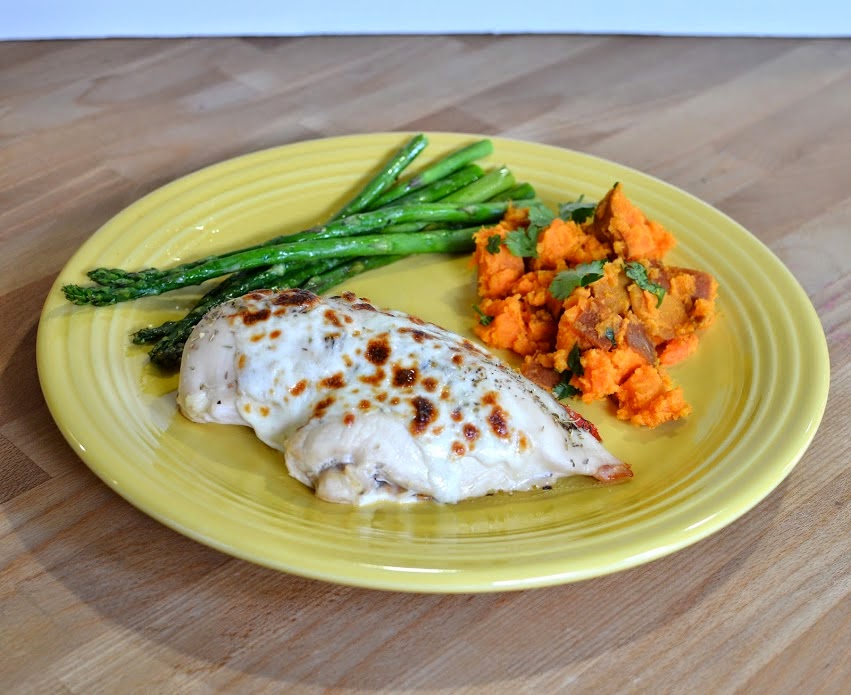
x,y
21,19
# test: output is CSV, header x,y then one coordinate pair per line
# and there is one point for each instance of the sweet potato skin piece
x,y
632,236
688,305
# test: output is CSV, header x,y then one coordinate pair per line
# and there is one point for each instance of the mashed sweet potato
x,y
615,336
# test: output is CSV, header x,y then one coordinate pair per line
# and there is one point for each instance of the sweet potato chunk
x,y
648,397
564,244
517,326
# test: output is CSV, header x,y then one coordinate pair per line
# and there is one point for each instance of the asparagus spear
x,y
116,277
441,188
454,241
441,168
322,282
362,223
522,191
385,178
490,184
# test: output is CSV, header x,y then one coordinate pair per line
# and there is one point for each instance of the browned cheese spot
x,y
249,318
374,379
489,398
264,411
299,388
363,306
417,320
349,296
258,295
295,297
378,350
424,414
437,431
348,419
523,442
394,400
320,408
335,381
257,337
457,359
418,335
347,360
458,449
430,384
444,394
471,432
347,318
456,415
247,407
364,404
498,420
241,361
404,378
274,335
381,397
331,317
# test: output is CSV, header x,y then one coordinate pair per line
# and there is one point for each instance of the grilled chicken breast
x,y
369,405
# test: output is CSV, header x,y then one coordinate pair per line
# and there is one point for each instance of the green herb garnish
x,y
523,242
540,215
578,211
573,362
494,242
568,280
636,272
484,319
564,389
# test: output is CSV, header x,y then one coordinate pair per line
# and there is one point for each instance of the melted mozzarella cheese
x,y
369,405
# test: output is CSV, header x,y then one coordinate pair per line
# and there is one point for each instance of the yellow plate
x,y
758,385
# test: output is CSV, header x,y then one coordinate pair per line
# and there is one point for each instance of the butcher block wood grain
x,y
97,597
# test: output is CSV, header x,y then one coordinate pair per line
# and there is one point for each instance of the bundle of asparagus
x,y
436,210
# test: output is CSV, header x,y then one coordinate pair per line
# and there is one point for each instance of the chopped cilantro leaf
x,y
636,272
563,388
523,242
484,319
573,362
577,211
540,215
568,280
494,242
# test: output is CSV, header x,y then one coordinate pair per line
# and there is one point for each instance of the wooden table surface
x,y
97,597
